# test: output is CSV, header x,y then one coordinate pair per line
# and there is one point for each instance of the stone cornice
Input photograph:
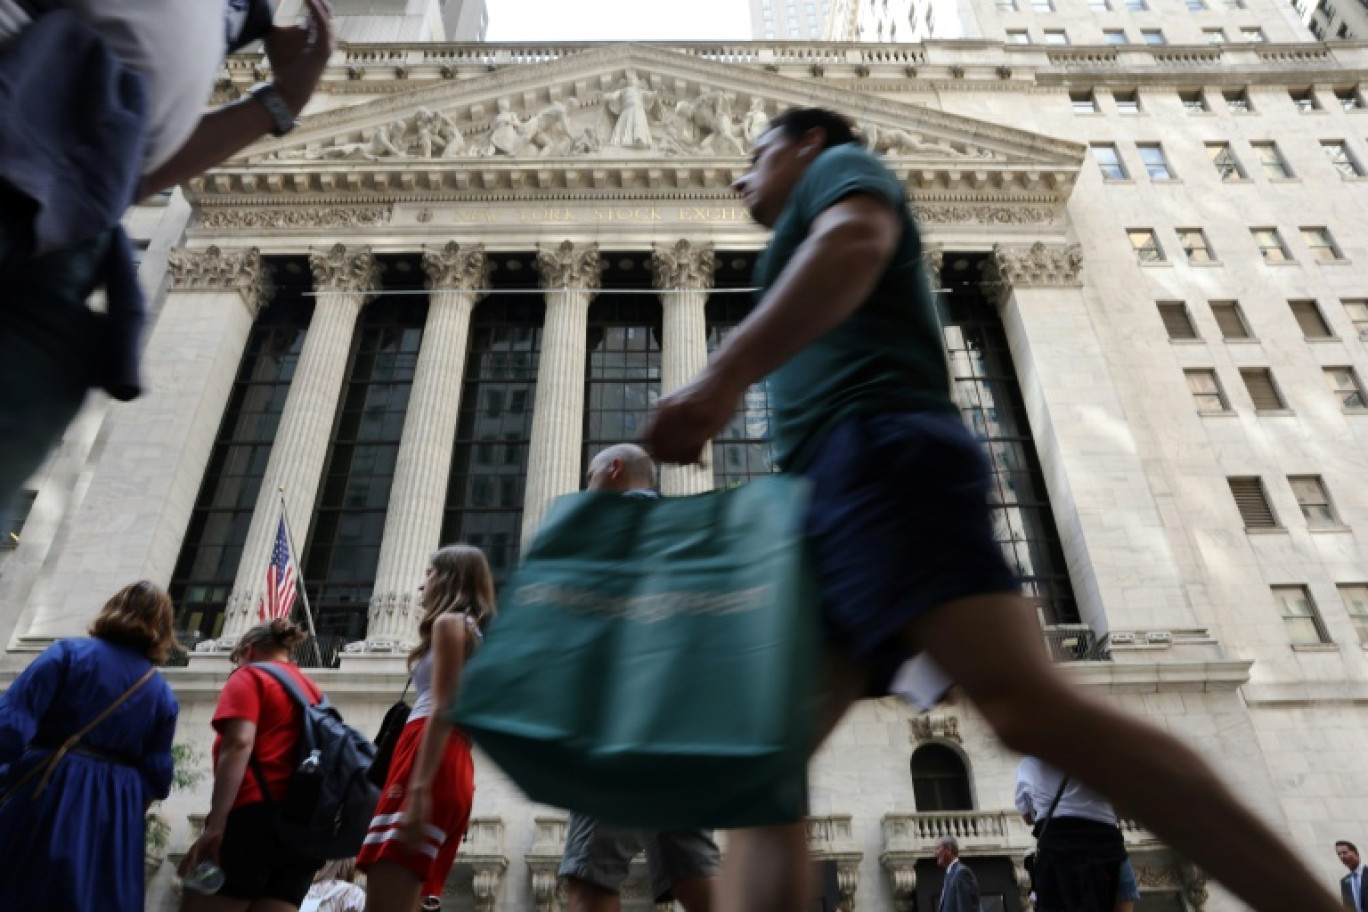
x,y
1220,676
684,264
457,266
345,269
213,269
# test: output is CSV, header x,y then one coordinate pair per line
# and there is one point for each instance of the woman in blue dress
x,y
71,831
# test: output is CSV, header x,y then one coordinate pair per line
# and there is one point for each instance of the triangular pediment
x,y
620,116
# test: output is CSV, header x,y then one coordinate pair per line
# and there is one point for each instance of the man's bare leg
x,y
582,896
990,645
695,894
766,869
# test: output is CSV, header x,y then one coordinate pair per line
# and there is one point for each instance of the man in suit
x,y
1354,885
960,892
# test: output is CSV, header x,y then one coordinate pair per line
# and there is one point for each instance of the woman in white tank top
x,y
424,809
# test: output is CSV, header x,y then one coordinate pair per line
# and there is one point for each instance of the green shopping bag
x,y
655,660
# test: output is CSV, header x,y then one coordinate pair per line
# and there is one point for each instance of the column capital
x,y
684,264
933,257
343,268
456,267
1038,264
570,265
214,269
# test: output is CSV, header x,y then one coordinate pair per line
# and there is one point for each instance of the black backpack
x,y
329,801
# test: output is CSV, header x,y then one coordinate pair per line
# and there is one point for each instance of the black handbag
x,y
387,739
1028,861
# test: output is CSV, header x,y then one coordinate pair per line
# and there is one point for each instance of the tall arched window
x,y
939,780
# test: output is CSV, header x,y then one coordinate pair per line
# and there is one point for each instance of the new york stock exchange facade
x,y
413,320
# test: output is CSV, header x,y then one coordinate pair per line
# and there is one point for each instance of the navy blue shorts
x,y
900,522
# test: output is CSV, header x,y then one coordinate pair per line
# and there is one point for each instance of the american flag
x,y
280,581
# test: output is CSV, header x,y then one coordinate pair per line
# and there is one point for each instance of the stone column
x,y
346,278
570,274
132,519
413,523
1089,444
684,274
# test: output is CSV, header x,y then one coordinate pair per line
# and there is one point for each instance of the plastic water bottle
x,y
206,878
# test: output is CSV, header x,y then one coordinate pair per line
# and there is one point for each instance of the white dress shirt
x,y
1036,785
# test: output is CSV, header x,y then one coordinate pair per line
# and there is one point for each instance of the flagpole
x,y
299,577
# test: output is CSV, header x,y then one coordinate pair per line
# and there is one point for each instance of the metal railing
x,y
1075,643
326,654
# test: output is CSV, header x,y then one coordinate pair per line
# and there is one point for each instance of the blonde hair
x,y
462,583
275,635
139,616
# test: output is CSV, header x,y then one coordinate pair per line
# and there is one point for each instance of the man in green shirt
x,y
900,522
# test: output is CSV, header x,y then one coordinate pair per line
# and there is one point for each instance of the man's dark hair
x,y
797,121
1344,842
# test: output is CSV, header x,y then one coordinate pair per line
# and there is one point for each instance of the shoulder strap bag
x,y
49,765
1029,860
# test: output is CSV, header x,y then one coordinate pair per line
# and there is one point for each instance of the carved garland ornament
x,y
684,265
302,217
211,269
570,266
457,266
933,214
927,728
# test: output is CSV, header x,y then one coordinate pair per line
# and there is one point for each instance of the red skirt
x,y
452,794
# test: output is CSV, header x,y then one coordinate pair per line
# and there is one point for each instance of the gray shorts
x,y
602,855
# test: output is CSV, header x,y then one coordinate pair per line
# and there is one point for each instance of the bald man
x,y
597,857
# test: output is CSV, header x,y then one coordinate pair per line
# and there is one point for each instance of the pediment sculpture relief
x,y
634,117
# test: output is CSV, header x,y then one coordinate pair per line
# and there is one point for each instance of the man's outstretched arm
x,y
831,274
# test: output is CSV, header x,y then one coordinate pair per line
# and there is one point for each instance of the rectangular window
x,y
1214,35
1084,101
1146,245
1099,6
1195,246
1237,101
1253,35
1263,392
1152,36
1207,392
1042,6
1234,4
1156,165
1271,246
1007,6
1355,598
1196,6
1177,320
1342,159
1136,6
1314,501
1056,36
1308,317
1109,162
1322,245
1357,310
1345,385
1114,36
1303,623
1349,98
1304,100
1194,102
1127,102
1227,165
1271,160
1018,36
1230,320
1252,503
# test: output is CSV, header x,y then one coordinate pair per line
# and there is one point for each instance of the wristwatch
x,y
283,119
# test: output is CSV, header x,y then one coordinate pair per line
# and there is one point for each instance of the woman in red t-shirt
x,y
258,724
424,809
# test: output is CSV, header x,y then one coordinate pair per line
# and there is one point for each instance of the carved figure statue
x,y
453,143
631,104
425,128
900,142
756,121
681,133
505,136
713,114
